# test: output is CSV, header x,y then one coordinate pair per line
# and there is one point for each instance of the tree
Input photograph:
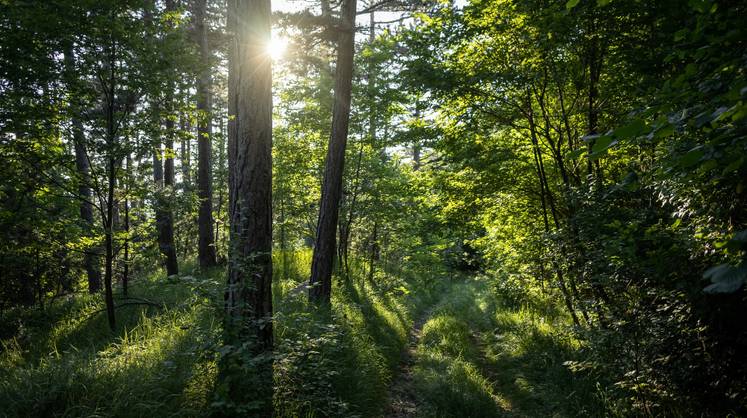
x,y
83,165
163,170
248,297
324,250
206,244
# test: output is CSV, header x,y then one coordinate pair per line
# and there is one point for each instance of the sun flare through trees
x,y
373,208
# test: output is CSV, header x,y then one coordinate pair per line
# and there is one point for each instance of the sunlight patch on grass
x,y
152,365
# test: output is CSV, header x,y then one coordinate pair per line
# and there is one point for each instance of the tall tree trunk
x,y
231,125
374,252
169,248
186,153
248,296
90,259
346,226
206,245
164,224
283,239
126,261
108,218
321,266
172,266
416,163
109,243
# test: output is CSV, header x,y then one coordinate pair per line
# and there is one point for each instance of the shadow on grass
x,y
337,362
386,323
446,377
152,364
478,359
525,359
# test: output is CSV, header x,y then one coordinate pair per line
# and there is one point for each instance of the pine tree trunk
x,y
108,218
126,261
206,245
163,217
248,296
109,243
90,259
416,163
320,290
186,151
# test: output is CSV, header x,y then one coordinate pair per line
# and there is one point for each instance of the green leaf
x,y
631,130
571,4
572,155
603,143
664,132
725,278
691,158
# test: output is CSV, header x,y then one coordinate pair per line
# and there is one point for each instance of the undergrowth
x,y
162,358
482,356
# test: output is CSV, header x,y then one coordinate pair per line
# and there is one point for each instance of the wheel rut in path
x,y
402,399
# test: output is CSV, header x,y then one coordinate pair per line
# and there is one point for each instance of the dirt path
x,y
402,399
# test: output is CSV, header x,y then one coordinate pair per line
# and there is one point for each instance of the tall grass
x,y
478,355
481,357
161,360
339,362
71,364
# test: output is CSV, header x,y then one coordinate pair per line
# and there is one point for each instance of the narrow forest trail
x,y
402,397
412,391
470,356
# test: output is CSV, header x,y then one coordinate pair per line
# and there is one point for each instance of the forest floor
x,y
470,356
438,348
402,400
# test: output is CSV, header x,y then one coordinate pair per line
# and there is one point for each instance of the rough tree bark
x,y
164,219
346,225
108,216
206,245
172,267
320,289
248,297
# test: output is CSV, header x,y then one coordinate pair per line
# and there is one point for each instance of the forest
x,y
374,208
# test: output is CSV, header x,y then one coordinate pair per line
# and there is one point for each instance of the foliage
x,y
546,198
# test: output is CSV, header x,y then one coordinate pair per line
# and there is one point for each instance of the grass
x,y
341,362
476,356
161,360
68,363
